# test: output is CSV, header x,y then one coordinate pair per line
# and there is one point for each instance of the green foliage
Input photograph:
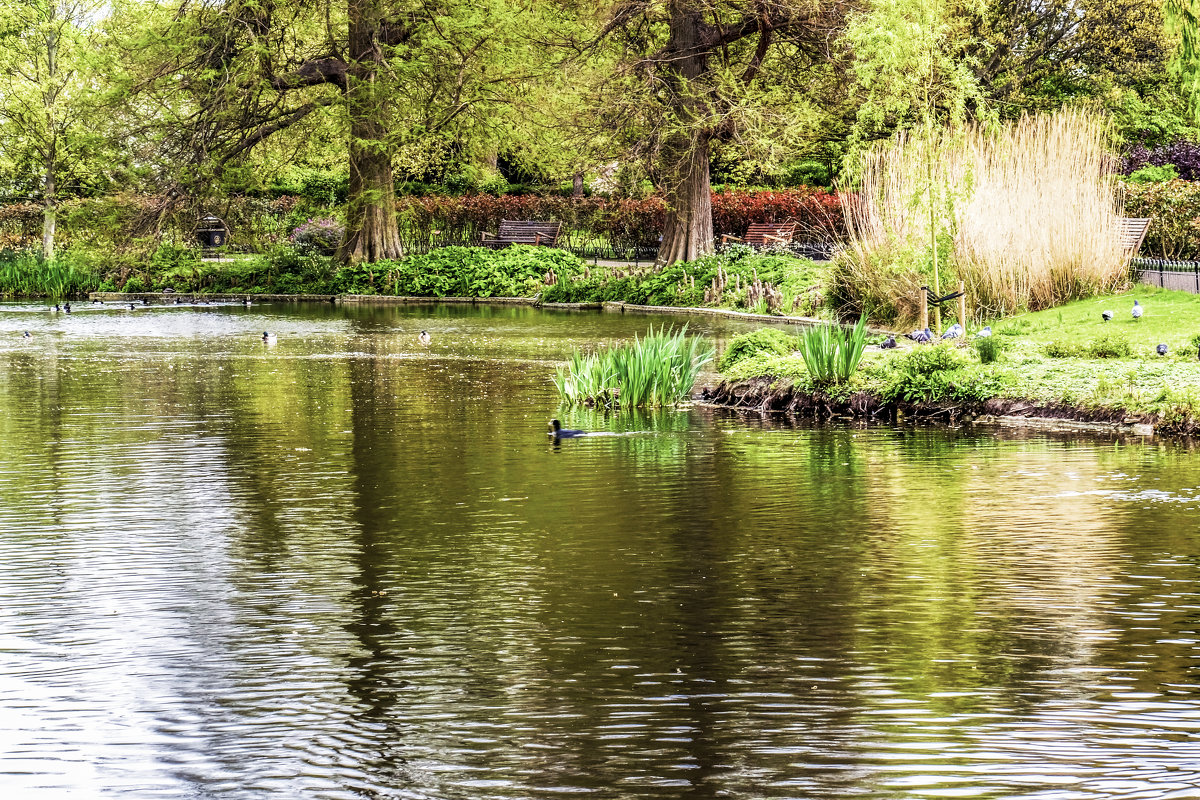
x,y
1110,345
657,370
989,349
832,352
747,345
27,274
724,279
929,359
1152,174
517,271
1060,348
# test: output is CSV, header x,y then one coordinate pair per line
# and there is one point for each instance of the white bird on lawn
x,y
1137,310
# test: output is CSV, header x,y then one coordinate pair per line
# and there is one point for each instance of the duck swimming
x,y
425,338
269,337
559,432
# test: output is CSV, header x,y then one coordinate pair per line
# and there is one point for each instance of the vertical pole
x,y
962,306
924,308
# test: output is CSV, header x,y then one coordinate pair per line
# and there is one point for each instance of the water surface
x,y
348,566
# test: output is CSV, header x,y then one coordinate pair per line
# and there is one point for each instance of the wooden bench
x,y
764,234
523,231
1133,233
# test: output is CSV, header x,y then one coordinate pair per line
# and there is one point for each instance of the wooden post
x,y
962,306
924,307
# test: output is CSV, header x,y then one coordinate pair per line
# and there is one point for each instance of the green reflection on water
x,y
736,602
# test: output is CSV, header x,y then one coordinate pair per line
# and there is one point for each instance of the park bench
x,y
1133,233
523,231
764,234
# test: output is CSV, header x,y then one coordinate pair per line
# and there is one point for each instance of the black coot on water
x,y
559,432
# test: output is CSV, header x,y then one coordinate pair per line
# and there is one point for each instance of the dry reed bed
x,y
1026,216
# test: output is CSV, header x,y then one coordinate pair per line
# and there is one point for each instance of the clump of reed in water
x,y
659,369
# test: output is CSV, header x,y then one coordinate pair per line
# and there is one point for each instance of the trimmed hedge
x,y
140,222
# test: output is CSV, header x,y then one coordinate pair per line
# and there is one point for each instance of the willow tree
x,y
686,74
228,77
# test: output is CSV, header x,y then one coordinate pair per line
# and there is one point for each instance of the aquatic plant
x,y
831,352
26,274
659,369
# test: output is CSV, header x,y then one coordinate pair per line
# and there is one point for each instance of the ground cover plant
x,y
737,277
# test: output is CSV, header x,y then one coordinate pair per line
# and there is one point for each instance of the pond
x,y
352,566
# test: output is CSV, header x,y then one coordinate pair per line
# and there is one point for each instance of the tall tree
x,y
688,73
394,71
48,89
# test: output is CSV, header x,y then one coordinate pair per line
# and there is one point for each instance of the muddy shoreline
x,y
767,394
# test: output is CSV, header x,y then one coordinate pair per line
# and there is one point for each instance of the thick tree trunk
x,y
688,233
683,165
371,230
577,185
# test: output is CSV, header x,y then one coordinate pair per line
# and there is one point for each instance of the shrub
x,y
1173,208
764,340
1063,349
1110,345
320,236
989,349
1181,155
924,373
1153,174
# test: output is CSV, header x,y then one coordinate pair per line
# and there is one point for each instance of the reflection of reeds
x,y
27,275
657,370
1027,216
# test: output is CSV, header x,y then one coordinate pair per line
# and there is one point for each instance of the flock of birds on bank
x,y
956,331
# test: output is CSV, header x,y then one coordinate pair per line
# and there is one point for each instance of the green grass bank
x,y
1066,362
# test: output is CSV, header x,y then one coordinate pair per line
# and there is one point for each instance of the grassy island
x,y
1063,362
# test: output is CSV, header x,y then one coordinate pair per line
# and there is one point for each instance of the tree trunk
x,y
577,185
49,205
371,230
49,186
688,230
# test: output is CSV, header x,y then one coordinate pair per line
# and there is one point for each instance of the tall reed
x,y
657,370
26,274
831,353
1026,214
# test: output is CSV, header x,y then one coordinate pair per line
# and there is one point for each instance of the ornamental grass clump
x,y
1026,216
657,370
831,352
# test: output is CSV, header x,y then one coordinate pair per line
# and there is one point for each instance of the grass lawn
x,y
1169,317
